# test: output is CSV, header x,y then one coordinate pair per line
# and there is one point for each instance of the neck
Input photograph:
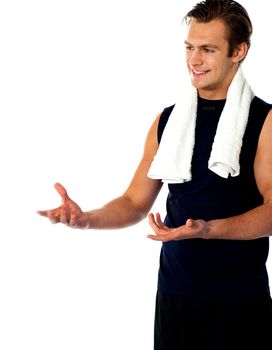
x,y
210,95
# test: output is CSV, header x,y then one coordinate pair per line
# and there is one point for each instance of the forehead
x,y
214,32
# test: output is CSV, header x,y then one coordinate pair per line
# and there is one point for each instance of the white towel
x,y
172,163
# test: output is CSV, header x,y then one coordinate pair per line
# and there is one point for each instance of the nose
x,y
195,58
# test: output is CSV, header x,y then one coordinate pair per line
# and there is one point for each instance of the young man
x,y
213,289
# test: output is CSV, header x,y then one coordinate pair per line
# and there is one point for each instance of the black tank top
x,y
215,269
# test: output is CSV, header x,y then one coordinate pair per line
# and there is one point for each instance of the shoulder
x,y
263,110
266,132
258,114
259,106
263,160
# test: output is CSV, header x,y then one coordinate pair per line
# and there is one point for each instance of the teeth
x,y
199,71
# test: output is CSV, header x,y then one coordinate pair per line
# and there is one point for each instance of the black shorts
x,y
191,325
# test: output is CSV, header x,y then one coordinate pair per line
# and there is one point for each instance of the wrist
x,y
207,232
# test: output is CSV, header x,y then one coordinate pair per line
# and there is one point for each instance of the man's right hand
x,y
69,213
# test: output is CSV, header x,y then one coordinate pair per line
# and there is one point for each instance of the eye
x,y
189,48
207,50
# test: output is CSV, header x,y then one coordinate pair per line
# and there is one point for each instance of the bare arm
x,y
128,209
253,224
257,222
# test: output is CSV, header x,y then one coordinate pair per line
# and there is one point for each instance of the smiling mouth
x,y
199,73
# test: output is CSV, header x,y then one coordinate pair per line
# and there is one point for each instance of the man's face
x,y
210,68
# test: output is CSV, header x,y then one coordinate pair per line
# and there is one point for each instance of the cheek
x,y
212,60
187,57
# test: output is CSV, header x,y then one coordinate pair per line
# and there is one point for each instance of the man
x,y
213,289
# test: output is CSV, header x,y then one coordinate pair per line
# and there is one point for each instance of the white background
x,y
81,82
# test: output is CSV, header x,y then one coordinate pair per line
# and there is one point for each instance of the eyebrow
x,y
202,46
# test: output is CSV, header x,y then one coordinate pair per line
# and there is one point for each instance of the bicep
x,y
263,160
142,190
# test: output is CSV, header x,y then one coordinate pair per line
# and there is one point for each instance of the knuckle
x,y
63,219
53,220
52,217
72,223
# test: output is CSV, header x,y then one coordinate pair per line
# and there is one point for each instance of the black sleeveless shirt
x,y
215,269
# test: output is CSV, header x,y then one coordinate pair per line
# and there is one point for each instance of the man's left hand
x,y
191,229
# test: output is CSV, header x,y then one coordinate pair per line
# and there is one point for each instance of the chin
x,y
197,84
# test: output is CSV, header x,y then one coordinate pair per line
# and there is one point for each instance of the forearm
x,y
119,213
253,224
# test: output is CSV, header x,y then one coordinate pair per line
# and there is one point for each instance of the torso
x,y
213,269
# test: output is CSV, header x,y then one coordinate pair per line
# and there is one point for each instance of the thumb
x,y
189,223
61,191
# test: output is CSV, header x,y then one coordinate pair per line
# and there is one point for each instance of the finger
x,y
47,213
74,219
63,214
160,223
61,191
189,223
43,213
160,232
72,222
155,237
153,223
159,237
164,235
51,214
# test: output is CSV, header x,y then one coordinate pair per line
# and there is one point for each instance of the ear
x,y
240,53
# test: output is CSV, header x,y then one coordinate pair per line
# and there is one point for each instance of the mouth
x,y
199,72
